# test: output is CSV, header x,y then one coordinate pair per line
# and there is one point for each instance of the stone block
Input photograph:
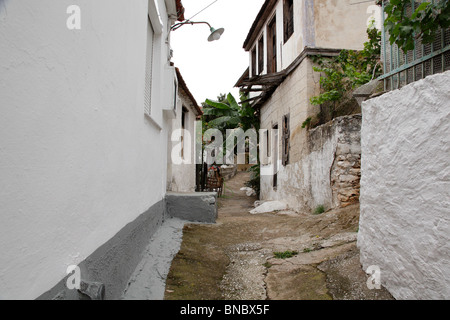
x,y
195,207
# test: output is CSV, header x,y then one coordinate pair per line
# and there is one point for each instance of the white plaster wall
x,y
341,24
181,177
405,189
78,158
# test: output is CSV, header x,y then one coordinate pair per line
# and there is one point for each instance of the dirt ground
x,y
234,258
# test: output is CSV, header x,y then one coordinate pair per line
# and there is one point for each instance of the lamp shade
x,y
215,34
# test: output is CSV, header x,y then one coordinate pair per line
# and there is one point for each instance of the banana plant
x,y
231,115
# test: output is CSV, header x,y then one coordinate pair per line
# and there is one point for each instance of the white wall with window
x,y
82,131
182,170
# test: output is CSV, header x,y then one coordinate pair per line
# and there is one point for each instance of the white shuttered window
x,y
148,69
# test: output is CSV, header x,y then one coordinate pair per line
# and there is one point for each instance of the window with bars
x,y
148,69
288,17
402,68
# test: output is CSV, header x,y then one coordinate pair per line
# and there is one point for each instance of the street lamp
x,y
215,33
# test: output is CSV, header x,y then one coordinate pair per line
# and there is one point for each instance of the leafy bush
x,y
349,70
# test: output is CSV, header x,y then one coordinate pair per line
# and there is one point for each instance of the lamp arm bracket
x,y
180,24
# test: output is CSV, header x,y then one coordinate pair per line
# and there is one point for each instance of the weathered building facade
x,y
280,83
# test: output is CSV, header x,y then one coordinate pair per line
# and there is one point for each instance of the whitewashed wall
x,y
405,189
78,158
181,177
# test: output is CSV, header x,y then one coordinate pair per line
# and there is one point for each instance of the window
x,y
275,156
260,55
288,17
175,93
253,62
148,69
286,143
272,46
184,117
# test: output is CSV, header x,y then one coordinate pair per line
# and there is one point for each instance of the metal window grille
x,y
401,69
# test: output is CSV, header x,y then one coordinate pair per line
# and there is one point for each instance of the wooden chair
x,y
214,182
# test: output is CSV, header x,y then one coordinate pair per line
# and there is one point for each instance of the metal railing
x,y
401,69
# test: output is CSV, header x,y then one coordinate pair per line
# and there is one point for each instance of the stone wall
x,y
405,189
338,143
346,169
327,169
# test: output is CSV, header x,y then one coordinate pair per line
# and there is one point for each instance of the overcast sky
x,y
211,68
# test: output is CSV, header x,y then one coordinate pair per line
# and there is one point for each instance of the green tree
x,y
230,114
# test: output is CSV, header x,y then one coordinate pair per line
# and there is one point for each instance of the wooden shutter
x,y
286,133
275,156
260,55
272,46
253,62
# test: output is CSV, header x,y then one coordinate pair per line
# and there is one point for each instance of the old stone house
x,y
304,169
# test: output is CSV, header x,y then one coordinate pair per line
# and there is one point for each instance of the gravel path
x,y
234,258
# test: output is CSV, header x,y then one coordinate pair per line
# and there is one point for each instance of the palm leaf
x,y
217,112
222,121
218,105
232,101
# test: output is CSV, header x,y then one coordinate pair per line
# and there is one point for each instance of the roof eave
x,y
185,88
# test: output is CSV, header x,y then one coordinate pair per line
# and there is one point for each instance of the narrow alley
x,y
262,150
234,258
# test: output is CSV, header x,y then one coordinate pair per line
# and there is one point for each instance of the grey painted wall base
x,y
195,207
114,262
